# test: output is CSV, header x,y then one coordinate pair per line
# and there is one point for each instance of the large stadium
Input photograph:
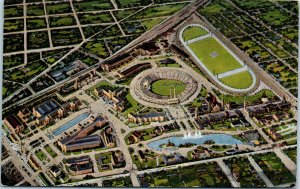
x,y
217,61
164,86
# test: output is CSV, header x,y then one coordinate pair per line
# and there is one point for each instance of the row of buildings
x,y
82,139
41,115
137,136
146,49
116,96
80,165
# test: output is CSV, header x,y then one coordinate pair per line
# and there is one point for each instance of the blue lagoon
x,y
217,138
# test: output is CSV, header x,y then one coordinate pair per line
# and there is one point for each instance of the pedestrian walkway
x,y
232,72
198,39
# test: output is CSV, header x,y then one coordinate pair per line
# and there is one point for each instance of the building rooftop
x,y
86,140
13,121
47,107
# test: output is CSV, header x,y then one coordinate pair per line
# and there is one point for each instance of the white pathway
x,y
232,72
198,39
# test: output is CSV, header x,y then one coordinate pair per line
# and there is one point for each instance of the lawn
x,y
13,60
291,153
89,18
35,10
164,86
214,56
133,104
13,11
100,85
193,32
58,8
158,11
50,151
40,155
37,40
250,99
118,182
68,36
36,23
13,25
271,166
97,48
82,6
149,24
234,81
132,3
62,21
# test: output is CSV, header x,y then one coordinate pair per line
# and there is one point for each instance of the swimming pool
x,y
70,124
217,138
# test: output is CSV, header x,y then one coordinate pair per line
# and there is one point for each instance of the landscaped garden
x,y
273,168
202,175
249,99
118,182
244,172
40,155
291,153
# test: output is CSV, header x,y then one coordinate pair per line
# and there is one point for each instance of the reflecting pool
x,y
217,138
70,124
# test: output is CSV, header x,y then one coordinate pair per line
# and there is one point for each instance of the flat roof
x,y
47,107
13,121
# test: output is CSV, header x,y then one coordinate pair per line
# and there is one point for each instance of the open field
x,y
158,11
245,173
118,182
66,36
13,11
83,6
97,48
214,56
89,18
120,14
35,10
240,80
203,175
193,32
13,25
13,60
164,86
23,75
37,40
132,3
149,24
59,21
13,43
58,8
36,23
271,165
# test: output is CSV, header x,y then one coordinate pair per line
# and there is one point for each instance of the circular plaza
x,y
164,86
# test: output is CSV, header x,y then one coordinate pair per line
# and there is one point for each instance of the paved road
x,y
260,172
228,173
289,164
151,34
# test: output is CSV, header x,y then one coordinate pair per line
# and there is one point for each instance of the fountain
x,y
197,134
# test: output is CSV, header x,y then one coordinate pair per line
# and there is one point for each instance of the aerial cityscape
x,y
150,93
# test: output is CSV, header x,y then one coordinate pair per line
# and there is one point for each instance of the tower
x,y
174,93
